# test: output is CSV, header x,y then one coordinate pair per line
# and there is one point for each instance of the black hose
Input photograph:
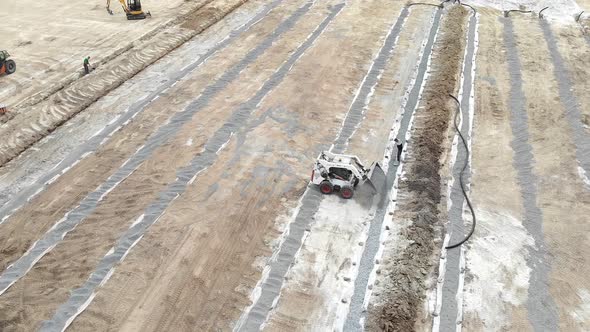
x,y
470,6
579,16
506,12
461,177
424,3
541,12
462,4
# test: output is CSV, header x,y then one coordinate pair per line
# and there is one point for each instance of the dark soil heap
x,y
404,298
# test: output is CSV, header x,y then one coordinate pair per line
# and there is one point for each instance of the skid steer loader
x,y
7,66
343,173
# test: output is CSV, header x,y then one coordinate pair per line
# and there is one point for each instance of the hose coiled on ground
x,y
461,177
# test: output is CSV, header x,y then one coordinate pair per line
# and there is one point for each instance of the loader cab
x,y
340,173
134,5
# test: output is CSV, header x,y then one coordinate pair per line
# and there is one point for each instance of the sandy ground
x,y
276,95
500,239
492,164
50,151
255,206
323,273
562,208
71,31
575,52
159,172
37,117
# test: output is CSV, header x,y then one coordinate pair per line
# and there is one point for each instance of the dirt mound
x,y
404,296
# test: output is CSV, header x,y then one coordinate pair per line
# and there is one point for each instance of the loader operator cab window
x,y
133,4
340,173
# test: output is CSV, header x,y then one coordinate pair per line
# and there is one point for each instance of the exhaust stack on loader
x,y
343,173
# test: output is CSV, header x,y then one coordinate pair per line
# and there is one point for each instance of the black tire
x,y
326,187
10,67
347,192
135,17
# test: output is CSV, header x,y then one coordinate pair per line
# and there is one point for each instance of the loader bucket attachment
x,y
376,178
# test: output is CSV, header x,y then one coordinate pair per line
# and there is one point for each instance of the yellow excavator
x,y
132,8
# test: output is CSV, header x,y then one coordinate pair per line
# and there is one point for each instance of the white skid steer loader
x,y
343,173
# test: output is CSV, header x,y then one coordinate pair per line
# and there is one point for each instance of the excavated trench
x,y
357,310
423,183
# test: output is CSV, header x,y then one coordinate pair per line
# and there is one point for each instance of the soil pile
x,y
423,184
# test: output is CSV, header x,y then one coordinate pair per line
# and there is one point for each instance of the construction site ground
x,y
168,190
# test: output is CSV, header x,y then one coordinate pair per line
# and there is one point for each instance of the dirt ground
x,y
323,272
560,188
155,193
409,269
71,31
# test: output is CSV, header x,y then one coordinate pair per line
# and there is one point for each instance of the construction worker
x,y
400,147
87,65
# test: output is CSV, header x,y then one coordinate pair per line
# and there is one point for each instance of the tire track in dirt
x,y
178,303
269,288
82,296
570,102
562,196
495,194
542,312
161,136
575,52
24,196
